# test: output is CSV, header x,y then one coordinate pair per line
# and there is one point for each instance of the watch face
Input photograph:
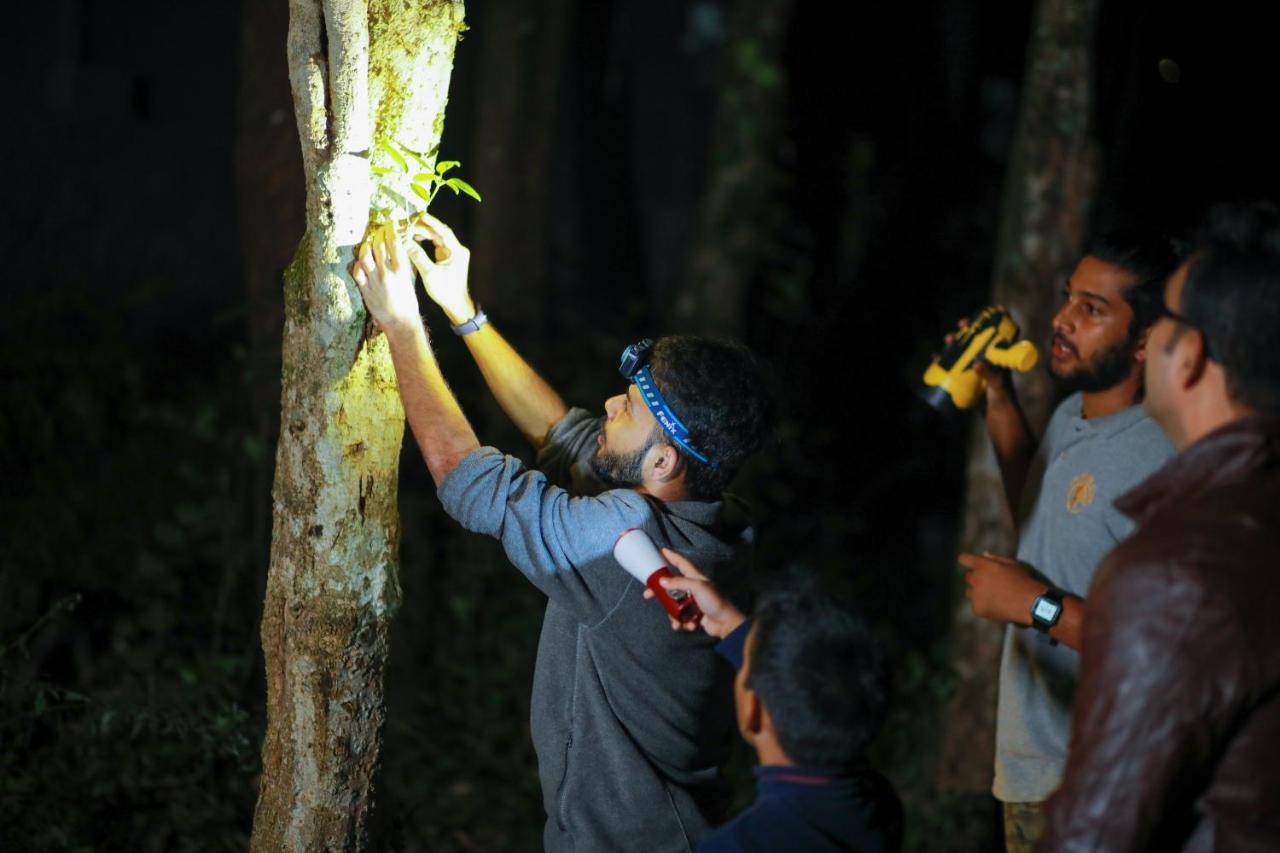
x,y
1045,609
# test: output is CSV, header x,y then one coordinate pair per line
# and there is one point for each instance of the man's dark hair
x,y
1150,257
1232,294
819,670
716,389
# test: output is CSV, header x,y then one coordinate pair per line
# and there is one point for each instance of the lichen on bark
x,y
407,47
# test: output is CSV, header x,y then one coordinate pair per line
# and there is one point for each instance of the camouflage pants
x,y
1023,824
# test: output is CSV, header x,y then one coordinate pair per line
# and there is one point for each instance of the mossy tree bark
x,y
1048,195
362,71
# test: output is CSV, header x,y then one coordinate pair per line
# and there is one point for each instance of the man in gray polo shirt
x,y
630,721
1099,443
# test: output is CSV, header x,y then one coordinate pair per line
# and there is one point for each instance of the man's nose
x,y
1063,321
613,405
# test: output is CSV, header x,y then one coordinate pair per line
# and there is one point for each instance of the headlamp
x,y
634,368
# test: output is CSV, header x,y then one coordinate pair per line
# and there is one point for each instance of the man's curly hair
x,y
717,389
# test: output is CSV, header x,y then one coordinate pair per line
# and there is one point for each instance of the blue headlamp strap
x,y
662,412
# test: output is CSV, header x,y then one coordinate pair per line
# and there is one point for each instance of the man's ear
x,y
751,714
664,463
1140,351
1192,358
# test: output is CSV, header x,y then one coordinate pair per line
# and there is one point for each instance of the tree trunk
x,y
733,231
362,71
1047,198
522,57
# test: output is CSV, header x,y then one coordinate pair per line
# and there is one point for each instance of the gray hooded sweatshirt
x,y
630,719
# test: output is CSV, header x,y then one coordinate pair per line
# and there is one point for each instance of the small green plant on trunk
x,y
407,187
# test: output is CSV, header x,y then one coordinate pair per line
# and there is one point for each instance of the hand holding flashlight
x,y
719,615
637,554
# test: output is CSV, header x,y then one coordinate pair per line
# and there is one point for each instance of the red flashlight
x,y
636,553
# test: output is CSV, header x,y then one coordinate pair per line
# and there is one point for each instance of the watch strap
x,y
469,326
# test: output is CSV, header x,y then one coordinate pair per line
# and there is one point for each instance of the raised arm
x,y
385,278
532,404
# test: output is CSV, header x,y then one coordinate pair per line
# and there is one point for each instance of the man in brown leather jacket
x,y
1175,741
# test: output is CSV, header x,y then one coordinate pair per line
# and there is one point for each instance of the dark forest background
x,y
821,180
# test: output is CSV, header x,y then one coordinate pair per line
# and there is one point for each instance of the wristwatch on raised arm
x,y
1046,610
468,326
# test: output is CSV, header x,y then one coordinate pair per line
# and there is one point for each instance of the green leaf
x,y
397,200
459,184
381,170
395,156
445,165
424,176
417,158
422,193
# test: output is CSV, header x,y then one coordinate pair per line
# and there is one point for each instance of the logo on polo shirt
x,y
1081,492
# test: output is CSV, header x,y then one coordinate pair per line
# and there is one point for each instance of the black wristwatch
x,y
1046,610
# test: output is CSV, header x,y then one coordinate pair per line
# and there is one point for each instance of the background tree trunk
x,y
521,66
734,228
1044,216
361,72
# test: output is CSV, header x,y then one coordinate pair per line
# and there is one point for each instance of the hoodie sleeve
x,y
562,544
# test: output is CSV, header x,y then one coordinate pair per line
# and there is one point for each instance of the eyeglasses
x,y
633,367
1163,310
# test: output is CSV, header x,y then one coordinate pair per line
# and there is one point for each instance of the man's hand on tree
x,y
384,276
445,278
1000,589
719,616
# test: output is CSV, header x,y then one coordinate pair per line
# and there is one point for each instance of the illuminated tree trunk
x,y
1047,199
362,71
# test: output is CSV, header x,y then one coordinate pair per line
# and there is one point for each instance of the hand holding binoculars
x,y
951,383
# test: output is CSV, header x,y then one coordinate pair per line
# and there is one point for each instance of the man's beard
x,y
1104,371
620,470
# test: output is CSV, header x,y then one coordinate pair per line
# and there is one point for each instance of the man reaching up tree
x,y
630,721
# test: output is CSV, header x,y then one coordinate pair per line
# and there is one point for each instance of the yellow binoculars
x,y
950,382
